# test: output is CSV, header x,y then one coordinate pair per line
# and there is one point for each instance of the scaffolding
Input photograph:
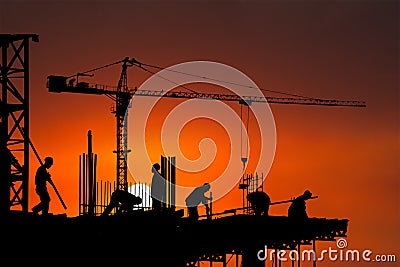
x,y
250,183
242,237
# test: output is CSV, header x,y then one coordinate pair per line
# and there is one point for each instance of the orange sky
x,y
346,50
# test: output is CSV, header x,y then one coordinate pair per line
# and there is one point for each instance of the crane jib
x,y
59,84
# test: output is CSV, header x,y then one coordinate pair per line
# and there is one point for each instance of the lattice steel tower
x,y
14,121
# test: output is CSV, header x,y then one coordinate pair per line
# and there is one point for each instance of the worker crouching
x,y
125,200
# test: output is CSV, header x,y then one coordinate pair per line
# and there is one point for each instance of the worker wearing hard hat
x,y
297,210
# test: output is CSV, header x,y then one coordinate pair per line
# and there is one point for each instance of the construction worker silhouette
x,y
158,187
42,177
195,198
259,202
126,200
297,209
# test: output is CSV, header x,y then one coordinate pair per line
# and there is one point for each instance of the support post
x,y
314,249
90,174
298,254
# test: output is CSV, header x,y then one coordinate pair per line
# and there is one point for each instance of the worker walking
x,y
259,202
297,210
42,177
195,198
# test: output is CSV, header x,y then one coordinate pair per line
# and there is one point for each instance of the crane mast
x,y
122,96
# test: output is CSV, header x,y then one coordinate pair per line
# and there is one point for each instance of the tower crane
x,y
122,95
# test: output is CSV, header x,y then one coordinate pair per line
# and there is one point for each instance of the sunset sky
x,y
332,49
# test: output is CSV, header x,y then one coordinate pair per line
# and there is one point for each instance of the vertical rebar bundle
x,y
168,171
87,180
94,196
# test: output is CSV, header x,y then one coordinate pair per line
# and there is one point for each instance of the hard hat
x,y
307,194
156,166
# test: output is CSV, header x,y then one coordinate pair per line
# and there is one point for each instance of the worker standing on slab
x,y
43,177
158,187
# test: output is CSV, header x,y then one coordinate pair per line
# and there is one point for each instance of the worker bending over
x,y
259,202
297,210
195,198
125,200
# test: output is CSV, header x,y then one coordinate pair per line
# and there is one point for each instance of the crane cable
x,y
140,65
227,82
98,68
180,85
244,158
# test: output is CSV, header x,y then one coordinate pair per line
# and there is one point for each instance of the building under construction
x,y
165,238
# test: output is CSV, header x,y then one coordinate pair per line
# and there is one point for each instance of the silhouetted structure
x,y
276,231
168,171
245,235
259,202
122,199
88,179
195,198
14,120
297,209
42,177
122,95
99,233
